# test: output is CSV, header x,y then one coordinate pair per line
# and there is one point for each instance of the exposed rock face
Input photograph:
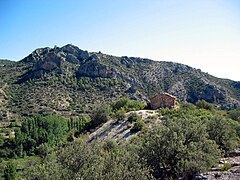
x,y
43,65
94,68
179,90
48,63
232,173
36,55
55,59
74,50
72,59
121,130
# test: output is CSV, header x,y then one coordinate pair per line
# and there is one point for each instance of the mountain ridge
x,y
69,81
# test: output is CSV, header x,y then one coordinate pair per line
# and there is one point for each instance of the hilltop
x,y
70,81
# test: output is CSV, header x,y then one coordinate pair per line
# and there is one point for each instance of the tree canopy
x,y
179,148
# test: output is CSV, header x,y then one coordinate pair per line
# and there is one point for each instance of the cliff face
x,y
49,76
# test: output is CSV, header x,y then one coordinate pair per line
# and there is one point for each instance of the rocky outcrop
x,y
50,62
179,90
74,50
94,68
121,130
36,55
223,172
44,65
45,60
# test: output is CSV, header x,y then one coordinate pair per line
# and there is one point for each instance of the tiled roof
x,y
174,97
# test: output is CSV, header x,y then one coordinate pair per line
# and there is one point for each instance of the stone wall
x,y
164,100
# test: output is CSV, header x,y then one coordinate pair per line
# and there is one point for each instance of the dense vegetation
x,y
189,140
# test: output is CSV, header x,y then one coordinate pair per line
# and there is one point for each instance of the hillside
x,y
69,81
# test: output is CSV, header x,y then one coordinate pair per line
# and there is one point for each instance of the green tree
x,y
220,130
179,148
100,114
138,125
37,130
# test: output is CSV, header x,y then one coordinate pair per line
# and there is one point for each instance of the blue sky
x,y
204,34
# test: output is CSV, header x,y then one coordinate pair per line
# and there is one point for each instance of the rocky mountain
x,y
69,81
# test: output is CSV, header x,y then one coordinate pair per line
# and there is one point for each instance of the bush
x,y
226,166
109,145
120,103
128,105
14,124
43,150
133,117
138,125
120,114
235,115
100,114
204,105
189,106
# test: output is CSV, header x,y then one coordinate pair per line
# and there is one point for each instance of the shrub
x,y
120,114
100,114
138,125
120,103
188,106
15,124
226,166
128,105
109,145
235,115
43,150
204,105
132,117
